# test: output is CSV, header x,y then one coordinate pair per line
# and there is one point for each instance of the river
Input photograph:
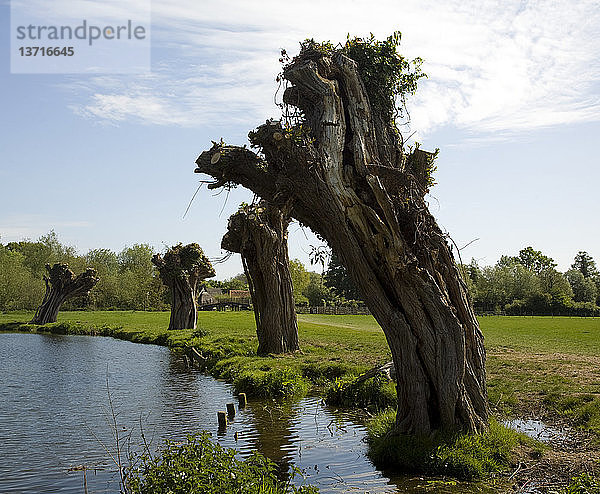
x,y
55,415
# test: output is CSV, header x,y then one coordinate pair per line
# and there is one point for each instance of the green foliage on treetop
x,y
184,260
237,282
46,250
386,74
535,261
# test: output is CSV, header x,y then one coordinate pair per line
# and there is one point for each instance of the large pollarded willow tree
x,y
181,269
258,232
341,168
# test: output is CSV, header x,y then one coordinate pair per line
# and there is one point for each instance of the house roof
x,y
211,291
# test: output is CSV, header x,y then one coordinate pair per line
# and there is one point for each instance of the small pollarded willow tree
x,y
341,168
258,232
181,269
61,285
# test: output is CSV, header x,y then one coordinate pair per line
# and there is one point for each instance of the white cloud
x,y
493,67
530,67
202,95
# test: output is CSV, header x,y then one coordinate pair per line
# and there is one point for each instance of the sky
x,y
512,101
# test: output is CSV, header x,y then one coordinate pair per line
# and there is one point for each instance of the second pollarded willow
x,y
258,232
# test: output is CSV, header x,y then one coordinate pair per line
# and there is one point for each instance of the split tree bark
x,y
259,234
351,181
61,285
181,269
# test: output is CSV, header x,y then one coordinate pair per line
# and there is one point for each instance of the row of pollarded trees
x,y
181,269
341,168
258,233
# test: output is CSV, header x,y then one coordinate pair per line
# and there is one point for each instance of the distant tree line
x,y
128,279
524,284
530,284
332,286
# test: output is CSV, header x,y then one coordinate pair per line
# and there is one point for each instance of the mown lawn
x,y
546,367
573,335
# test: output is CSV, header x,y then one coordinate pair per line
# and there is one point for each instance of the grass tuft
x,y
374,394
463,456
583,483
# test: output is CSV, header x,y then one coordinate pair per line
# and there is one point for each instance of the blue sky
x,y
512,101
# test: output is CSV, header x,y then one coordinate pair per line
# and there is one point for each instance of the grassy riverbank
x,y
542,367
537,366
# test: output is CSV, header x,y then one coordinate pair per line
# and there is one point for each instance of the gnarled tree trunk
x,y
61,285
184,308
351,181
181,269
259,234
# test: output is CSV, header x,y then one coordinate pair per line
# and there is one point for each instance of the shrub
x,y
321,372
199,466
277,382
544,304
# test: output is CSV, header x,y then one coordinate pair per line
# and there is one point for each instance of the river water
x,y
55,415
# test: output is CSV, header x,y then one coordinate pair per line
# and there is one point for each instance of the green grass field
x,y
531,334
580,335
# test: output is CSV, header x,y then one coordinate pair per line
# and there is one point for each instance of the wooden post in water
x,y
230,410
222,418
242,398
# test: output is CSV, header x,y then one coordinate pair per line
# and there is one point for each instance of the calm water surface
x,y
55,415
